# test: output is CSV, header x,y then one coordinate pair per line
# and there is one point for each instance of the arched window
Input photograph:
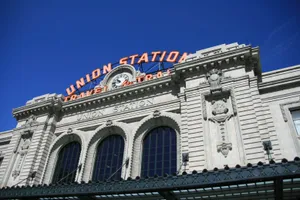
x,y
109,159
159,152
67,163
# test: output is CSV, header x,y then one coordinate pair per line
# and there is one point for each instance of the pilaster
x,y
184,126
266,129
197,158
248,123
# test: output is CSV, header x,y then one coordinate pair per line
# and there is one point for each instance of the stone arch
x,y
102,132
65,138
171,120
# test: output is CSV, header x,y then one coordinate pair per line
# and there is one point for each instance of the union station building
x,y
212,126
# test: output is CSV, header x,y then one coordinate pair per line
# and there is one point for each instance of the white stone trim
x,y
286,109
116,128
145,125
58,143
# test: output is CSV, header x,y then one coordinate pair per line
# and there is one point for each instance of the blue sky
x,y
47,45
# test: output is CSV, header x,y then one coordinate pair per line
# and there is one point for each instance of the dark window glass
x,y
296,119
67,163
159,152
109,158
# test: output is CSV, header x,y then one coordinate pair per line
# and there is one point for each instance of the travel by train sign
x,y
150,65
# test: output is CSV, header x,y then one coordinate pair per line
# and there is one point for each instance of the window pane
x,y
162,152
67,163
297,126
296,114
296,119
109,158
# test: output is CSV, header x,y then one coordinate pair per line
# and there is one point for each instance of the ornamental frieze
x,y
115,109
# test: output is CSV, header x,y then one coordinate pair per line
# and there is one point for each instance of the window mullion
x,y
119,152
170,149
155,154
65,162
72,164
112,157
163,149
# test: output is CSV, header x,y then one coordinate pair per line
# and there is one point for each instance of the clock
x,y
119,79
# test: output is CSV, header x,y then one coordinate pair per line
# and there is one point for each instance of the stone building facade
x,y
224,111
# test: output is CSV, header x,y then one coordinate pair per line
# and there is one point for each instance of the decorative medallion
x,y
224,148
219,107
156,113
214,77
109,122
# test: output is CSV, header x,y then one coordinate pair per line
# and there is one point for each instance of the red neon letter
x,y
123,61
159,74
88,78
154,54
139,79
144,58
183,57
80,83
133,57
67,99
73,97
97,90
105,88
175,54
89,92
148,77
106,68
168,71
70,92
96,73
162,56
82,94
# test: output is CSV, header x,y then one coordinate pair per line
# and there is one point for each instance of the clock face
x,y
119,79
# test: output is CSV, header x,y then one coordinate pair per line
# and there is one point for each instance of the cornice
x,y
5,133
5,139
50,105
215,60
280,97
286,70
280,82
131,90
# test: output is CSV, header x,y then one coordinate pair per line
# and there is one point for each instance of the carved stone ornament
x,y
30,121
156,113
70,130
109,122
214,77
15,173
219,107
24,145
224,148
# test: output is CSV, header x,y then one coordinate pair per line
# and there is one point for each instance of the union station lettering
x,y
155,56
118,108
90,115
133,105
